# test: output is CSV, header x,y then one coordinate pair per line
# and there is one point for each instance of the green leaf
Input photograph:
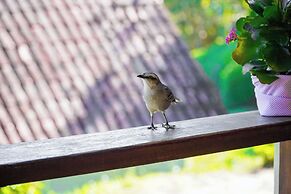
x,y
253,25
277,57
257,8
281,36
287,15
264,76
272,14
258,63
247,49
257,21
267,2
240,25
286,11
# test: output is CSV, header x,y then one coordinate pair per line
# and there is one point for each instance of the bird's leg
x,y
167,125
152,127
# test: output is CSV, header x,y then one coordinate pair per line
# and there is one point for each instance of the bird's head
x,y
151,79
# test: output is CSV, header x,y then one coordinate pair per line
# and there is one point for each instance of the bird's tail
x,y
176,100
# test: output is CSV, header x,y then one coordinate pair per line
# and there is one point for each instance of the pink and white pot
x,y
274,99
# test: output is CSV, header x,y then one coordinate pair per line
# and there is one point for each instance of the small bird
x,y
157,96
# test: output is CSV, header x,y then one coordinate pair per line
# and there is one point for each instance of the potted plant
x,y
264,49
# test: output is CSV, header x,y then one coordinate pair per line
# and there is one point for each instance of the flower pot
x,y
274,99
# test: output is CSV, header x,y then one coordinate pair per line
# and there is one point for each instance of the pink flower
x,y
231,36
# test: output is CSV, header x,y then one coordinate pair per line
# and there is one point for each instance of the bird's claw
x,y
152,127
167,126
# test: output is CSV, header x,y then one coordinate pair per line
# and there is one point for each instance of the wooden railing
x,y
75,155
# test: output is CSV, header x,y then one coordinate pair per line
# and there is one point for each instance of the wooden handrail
x,y
74,155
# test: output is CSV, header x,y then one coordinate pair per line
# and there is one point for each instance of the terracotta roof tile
x,y
69,67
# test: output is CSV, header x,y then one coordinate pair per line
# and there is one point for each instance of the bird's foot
x,y
152,127
167,126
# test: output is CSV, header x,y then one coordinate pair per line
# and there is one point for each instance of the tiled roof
x,y
69,67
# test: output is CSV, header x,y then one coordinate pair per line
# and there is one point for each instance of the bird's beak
x,y
140,76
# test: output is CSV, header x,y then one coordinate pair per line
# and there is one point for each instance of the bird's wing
x,y
169,94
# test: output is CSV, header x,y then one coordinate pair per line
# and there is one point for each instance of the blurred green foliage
x,y
204,24
242,160
27,188
227,76
122,180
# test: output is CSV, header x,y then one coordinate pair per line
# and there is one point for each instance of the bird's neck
x,y
150,84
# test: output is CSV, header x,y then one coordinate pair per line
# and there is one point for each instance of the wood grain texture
x,y
74,155
282,167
